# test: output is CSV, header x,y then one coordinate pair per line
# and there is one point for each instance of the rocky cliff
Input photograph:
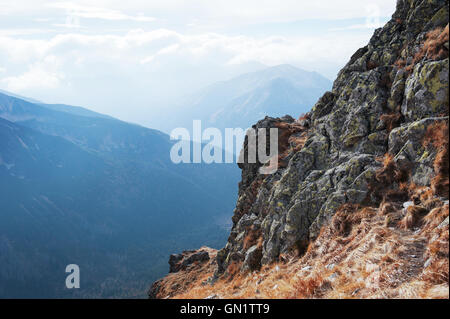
x,y
359,204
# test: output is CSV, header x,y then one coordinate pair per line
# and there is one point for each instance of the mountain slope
x,y
358,207
20,97
97,192
241,101
76,110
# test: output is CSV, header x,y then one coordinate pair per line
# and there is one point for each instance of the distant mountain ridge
x,y
20,96
241,101
74,110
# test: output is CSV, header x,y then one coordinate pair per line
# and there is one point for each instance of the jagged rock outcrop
x,y
377,141
186,269
376,106
182,261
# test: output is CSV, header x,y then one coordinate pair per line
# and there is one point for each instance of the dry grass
x,y
384,184
291,138
303,116
440,183
413,217
364,252
185,280
355,256
437,136
433,48
252,237
385,251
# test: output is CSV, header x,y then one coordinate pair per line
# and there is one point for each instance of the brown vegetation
x,y
291,138
433,48
356,256
437,135
391,120
392,174
370,65
382,251
252,238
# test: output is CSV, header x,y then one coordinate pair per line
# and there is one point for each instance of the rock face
x,y
182,261
186,269
383,102
381,130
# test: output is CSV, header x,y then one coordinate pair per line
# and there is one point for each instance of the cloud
x,y
203,13
308,52
106,57
90,12
13,32
357,27
42,75
164,51
161,57
237,12
372,17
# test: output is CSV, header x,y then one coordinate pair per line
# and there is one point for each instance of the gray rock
x,y
444,224
347,132
426,91
179,262
253,258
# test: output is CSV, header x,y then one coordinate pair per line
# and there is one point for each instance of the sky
x,y
134,59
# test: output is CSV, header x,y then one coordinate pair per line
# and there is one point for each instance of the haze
x,y
134,60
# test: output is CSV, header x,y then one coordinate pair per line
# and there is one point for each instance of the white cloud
x,y
357,27
154,63
41,75
76,10
231,12
35,78
165,47
13,32
103,55
72,21
205,12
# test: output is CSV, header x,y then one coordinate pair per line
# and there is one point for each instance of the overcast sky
x,y
130,58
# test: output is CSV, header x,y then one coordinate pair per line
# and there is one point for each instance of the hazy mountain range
x,y
100,193
243,100
82,187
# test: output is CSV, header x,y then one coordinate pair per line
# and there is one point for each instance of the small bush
x,y
433,48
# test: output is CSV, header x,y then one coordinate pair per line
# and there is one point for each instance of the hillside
x,y
359,205
80,187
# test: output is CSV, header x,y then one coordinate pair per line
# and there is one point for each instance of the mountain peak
x,y
241,101
288,68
